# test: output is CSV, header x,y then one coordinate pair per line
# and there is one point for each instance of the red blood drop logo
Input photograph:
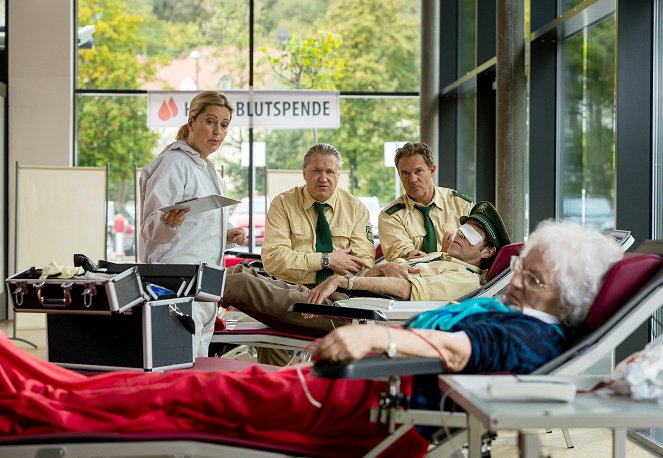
x,y
173,107
168,110
164,112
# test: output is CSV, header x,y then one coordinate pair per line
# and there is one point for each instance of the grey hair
x,y
322,148
578,258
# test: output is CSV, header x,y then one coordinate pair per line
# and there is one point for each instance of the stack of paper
x,y
368,303
532,390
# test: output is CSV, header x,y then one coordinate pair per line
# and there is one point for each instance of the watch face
x,y
325,261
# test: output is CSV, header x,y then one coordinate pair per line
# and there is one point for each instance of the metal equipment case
x,y
148,337
105,295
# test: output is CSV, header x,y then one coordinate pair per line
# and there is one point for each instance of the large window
x,y
587,127
467,37
368,50
466,137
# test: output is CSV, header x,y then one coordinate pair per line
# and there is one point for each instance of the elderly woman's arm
x,y
356,341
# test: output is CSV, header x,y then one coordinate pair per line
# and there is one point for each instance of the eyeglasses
x,y
529,278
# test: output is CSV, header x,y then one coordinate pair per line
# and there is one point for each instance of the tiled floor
x,y
589,443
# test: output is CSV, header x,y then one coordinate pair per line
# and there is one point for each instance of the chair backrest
x,y
630,293
623,280
503,259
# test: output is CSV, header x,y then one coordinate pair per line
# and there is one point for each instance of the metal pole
x,y
429,115
397,184
13,336
251,162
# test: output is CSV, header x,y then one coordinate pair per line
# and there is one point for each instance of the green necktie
x,y
429,244
323,241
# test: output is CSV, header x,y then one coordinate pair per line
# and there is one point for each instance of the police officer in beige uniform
x,y
312,232
437,276
291,250
404,227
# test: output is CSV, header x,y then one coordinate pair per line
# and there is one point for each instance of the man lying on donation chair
x,y
550,294
436,277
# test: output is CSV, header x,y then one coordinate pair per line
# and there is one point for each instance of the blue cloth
x,y
444,318
448,316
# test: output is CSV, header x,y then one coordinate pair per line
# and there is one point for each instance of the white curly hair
x,y
577,258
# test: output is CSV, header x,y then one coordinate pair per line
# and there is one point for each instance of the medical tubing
x,y
308,394
302,379
437,350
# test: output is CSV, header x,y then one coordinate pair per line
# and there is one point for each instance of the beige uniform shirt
x,y
442,278
288,251
401,226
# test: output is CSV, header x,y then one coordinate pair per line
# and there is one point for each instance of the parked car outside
x,y
594,212
373,205
120,225
240,217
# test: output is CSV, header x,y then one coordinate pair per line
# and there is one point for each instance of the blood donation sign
x,y
300,109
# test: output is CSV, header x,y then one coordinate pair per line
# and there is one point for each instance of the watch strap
x,y
351,281
392,349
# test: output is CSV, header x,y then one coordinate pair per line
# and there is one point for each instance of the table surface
x,y
601,409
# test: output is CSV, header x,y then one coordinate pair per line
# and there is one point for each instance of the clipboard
x,y
201,204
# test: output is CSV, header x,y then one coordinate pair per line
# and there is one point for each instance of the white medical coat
x,y
179,173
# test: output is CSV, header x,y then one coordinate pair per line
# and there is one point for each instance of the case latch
x,y
20,291
89,291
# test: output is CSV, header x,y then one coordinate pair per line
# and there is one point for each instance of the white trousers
x,y
204,315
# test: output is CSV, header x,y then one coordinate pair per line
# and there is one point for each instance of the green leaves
x,y
309,62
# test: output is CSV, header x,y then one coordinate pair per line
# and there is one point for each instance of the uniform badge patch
x,y
394,208
462,196
369,233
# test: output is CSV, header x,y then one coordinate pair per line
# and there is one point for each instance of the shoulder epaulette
x,y
394,208
462,196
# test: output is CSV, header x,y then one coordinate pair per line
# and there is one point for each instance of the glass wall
x,y
368,50
466,138
467,36
587,128
568,4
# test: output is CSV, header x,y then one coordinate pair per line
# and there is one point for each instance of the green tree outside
x,y
113,129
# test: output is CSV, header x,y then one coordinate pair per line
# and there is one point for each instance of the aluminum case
x,y
148,337
98,296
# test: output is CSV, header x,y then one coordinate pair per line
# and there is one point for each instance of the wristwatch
x,y
351,281
325,260
392,349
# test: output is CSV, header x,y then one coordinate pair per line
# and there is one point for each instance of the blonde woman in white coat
x,y
182,171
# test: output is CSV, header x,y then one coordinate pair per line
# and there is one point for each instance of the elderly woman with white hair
x,y
555,280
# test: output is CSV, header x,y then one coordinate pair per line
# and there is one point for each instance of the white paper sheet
x,y
202,204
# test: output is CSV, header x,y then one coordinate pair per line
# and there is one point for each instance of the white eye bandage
x,y
471,234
